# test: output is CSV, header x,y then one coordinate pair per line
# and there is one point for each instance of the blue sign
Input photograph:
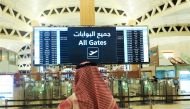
x,y
97,44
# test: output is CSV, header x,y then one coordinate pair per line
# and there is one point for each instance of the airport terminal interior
x,y
151,73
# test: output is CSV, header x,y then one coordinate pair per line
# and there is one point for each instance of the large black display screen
x,y
135,44
103,45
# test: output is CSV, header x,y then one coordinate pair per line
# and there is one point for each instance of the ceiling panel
x,y
62,19
13,45
167,40
33,9
136,8
11,22
178,17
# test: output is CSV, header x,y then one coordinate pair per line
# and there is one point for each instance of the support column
x,y
135,67
35,23
131,22
87,12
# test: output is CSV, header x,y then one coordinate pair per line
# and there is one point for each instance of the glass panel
x,y
12,58
0,55
4,55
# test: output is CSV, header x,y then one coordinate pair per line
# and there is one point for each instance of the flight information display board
x,y
103,45
136,45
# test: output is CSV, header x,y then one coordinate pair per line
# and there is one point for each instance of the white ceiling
x,y
136,8
33,9
168,40
13,45
177,17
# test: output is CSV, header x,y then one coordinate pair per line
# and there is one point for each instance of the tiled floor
x,y
177,105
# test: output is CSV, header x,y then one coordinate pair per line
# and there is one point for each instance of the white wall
x,y
179,44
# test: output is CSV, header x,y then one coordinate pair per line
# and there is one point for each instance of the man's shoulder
x,y
72,97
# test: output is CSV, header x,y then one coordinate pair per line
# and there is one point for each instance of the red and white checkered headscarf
x,y
91,90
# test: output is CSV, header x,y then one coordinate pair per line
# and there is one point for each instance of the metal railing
x,y
53,103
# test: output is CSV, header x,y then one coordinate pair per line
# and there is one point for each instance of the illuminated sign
x,y
97,44
103,45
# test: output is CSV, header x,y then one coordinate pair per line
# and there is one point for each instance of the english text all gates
x,y
96,44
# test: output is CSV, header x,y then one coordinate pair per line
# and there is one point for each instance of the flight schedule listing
x,y
135,46
103,45
64,47
48,47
